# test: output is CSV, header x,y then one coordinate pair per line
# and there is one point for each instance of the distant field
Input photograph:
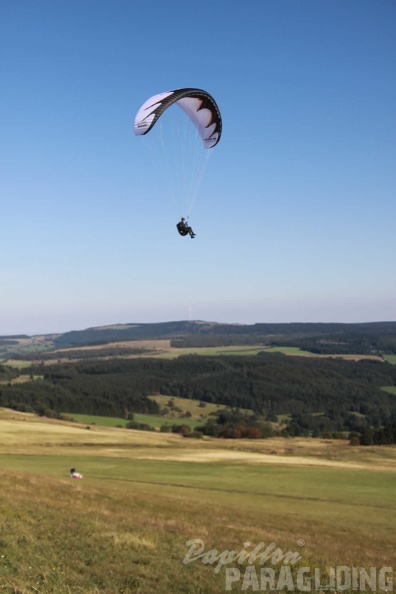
x,y
162,349
211,351
21,379
194,407
124,527
98,420
152,420
289,351
176,415
390,359
197,413
19,364
390,389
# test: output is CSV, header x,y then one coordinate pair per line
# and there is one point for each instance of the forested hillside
x,y
376,338
365,337
317,394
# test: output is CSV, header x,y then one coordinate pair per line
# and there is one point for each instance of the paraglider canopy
x,y
199,106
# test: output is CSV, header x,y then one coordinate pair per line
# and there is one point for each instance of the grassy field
x,y
197,409
174,352
152,420
162,349
177,408
389,389
18,363
124,527
21,379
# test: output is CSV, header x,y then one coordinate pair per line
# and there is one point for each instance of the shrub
x,y
354,441
139,426
194,434
183,429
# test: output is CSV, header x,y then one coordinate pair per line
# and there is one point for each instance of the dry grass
x,y
124,527
20,431
188,405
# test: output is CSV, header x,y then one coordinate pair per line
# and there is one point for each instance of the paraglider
x,y
189,154
184,228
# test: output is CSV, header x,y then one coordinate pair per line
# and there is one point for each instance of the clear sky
x,y
295,218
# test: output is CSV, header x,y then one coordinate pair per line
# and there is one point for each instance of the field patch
x,y
180,411
197,409
389,389
390,359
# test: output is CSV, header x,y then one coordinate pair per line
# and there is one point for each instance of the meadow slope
x,y
124,527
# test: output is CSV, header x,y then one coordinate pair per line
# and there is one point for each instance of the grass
x,y
389,389
197,409
153,421
21,379
124,527
182,411
175,352
97,420
18,363
289,351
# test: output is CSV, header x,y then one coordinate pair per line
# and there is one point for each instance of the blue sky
x,y
295,218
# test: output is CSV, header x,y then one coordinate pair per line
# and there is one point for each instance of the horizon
x,y
119,324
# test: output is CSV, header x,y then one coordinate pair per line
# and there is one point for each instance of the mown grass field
x,y
124,527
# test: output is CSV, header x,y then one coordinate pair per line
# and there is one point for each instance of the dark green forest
x,y
317,395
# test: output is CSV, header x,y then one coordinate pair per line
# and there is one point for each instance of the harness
x,y
182,230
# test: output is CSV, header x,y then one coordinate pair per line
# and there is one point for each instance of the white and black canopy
x,y
199,106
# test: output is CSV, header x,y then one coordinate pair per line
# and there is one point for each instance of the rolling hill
x,y
319,338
